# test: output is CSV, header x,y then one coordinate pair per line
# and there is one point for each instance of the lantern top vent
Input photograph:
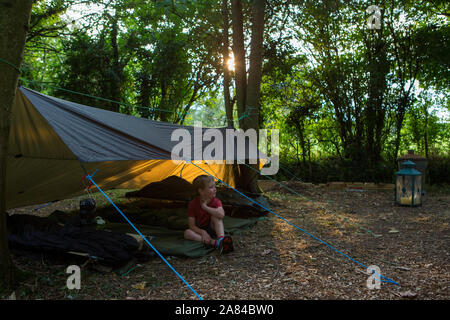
x,y
408,169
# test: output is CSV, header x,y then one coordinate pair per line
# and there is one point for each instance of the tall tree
x,y
378,69
14,23
248,93
226,56
240,72
253,88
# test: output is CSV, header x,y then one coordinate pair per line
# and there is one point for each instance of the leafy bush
x,y
334,169
438,170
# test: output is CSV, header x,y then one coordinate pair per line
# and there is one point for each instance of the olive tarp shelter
x,y
53,143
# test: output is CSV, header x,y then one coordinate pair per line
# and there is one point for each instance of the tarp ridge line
x,y
98,98
151,110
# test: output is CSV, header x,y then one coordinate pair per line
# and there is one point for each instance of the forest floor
x,y
275,260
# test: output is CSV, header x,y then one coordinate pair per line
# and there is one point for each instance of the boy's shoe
x,y
219,243
225,245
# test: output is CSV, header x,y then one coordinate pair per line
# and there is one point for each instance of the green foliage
x,y
434,46
332,169
147,55
87,68
364,82
438,169
347,100
425,130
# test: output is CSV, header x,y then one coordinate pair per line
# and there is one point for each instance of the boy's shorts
x,y
210,230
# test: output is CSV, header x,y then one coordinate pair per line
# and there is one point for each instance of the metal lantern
x,y
421,164
408,185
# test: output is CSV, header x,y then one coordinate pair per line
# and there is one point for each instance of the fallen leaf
x,y
403,268
377,235
408,294
139,286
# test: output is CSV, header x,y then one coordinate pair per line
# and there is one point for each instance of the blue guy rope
x,y
292,175
306,198
43,206
306,232
143,237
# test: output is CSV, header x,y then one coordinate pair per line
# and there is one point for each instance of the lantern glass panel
x,y
418,190
404,188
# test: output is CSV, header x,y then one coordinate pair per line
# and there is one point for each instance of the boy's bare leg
x,y
194,236
218,226
191,235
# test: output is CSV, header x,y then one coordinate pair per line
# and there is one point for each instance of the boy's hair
x,y
201,181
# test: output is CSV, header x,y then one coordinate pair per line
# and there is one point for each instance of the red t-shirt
x,y
202,218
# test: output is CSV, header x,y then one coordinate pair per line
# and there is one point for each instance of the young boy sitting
x,y
205,216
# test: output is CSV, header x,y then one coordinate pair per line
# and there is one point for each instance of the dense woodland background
x,y
348,100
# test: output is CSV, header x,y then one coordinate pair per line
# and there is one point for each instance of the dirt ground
x,y
275,260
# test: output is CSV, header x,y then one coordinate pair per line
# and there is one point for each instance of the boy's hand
x,y
205,237
215,212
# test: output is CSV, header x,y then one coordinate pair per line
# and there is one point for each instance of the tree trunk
x,y
425,131
255,70
302,143
298,123
185,110
14,24
144,96
239,58
375,114
162,104
249,177
309,160
401,109
226,72
117,70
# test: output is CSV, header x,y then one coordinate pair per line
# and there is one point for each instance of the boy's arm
x,y
215,212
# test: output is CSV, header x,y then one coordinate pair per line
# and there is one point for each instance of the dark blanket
x,y
39,234
171,188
